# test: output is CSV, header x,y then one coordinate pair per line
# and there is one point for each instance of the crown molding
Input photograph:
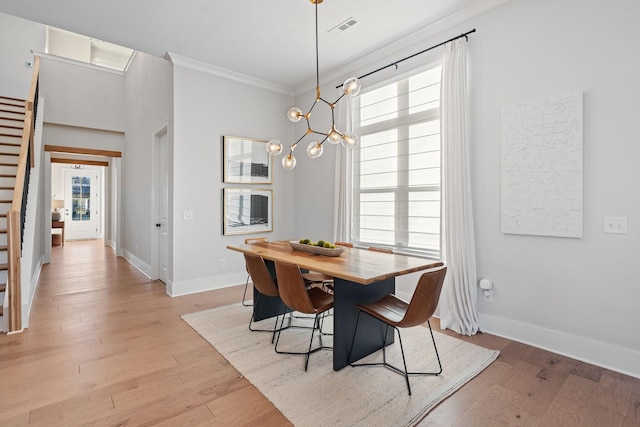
x,y
193,64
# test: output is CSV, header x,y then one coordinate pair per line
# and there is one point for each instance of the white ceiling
x,y
268,40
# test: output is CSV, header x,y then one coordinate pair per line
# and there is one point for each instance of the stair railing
x,y
17,213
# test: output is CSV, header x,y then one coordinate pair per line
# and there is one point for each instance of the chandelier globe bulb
x,y
352,86
289,162
334,136
350,140
314,150
294,114
274,147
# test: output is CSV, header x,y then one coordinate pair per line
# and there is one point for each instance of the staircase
x,y
12,116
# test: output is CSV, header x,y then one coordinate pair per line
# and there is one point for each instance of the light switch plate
x,y
615,224
187,215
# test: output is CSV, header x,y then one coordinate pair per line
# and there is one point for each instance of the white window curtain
x,y
343,180
458,302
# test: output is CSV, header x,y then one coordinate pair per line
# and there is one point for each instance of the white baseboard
x,y
601,354
205,284
137,263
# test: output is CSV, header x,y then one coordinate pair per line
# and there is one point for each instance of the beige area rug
x,y
365,396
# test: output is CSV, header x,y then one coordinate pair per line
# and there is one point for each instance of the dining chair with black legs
x,y
249,241
263,282
297,297
397,313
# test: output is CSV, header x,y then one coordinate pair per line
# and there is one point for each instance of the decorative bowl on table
x,y
316,249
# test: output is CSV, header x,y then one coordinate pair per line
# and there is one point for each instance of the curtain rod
x,y
415,54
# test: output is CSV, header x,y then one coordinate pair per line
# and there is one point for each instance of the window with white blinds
x,y
396,198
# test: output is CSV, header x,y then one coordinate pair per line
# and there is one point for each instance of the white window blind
x,y
396,199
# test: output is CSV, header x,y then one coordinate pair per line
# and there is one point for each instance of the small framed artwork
x,y
247,210
246,161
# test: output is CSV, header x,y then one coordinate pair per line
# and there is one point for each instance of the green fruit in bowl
x,y
327,245
321,243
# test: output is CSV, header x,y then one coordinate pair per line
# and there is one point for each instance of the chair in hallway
x,y
265,285
397,313
297,297
250,241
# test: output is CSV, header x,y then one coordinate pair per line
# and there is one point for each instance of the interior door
x,y
82,199
164,206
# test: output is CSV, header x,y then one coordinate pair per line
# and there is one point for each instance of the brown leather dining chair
x,y
249,241
265,285
383,250
397,313
297,297
346,244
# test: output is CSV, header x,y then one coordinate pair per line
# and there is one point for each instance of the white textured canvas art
x,y
542,185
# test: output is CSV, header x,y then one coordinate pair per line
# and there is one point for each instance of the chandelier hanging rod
x,y
395,63
348,139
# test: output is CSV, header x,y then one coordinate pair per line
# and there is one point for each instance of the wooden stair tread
x,y
10,127
12,119
9,154
7,175
6,187
4,267
3,287
20,113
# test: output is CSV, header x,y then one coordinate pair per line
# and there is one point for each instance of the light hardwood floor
x,y
106,346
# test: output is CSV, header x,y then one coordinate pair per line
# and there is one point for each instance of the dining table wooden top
x,y
354,264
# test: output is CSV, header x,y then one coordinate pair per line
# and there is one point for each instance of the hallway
x,y
106,346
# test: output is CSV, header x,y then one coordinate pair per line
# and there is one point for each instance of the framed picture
x,y
247,210
246,161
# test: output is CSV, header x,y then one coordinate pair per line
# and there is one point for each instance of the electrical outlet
x,y
187,215
223,263
487,296
615,224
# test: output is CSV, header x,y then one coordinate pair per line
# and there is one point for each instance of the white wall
x,y
148,104
82,96
557,292
206,107
574,296
17,38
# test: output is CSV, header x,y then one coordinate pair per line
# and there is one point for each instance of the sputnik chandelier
x,y
351,87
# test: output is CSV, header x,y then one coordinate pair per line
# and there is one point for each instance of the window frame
x,y
402,190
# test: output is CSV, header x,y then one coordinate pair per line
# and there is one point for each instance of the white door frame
x,y
158,173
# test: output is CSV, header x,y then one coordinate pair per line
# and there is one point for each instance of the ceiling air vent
x,y
344,25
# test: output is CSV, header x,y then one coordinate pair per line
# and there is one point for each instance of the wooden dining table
x,y
360,277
